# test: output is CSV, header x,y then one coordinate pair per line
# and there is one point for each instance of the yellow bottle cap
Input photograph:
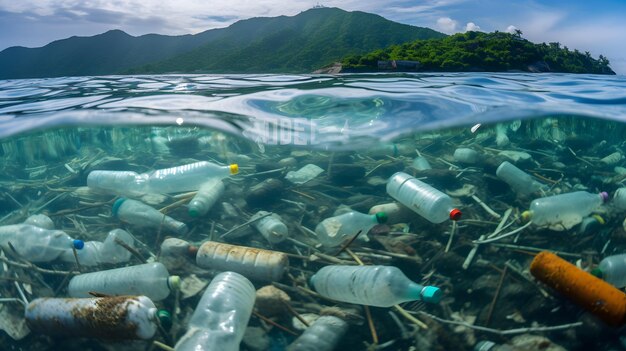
x,y
234,168
599,219
526,215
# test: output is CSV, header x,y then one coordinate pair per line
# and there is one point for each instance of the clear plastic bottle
x,y
141,215
41,221
612,269
396,213
187,177
322,335
381,286
421,163
271,226
465,155
521,182
222,315
422,198
95,253
124,183
563,210
36,244
619,199
124,317
253,263
333,231
207,196
149,279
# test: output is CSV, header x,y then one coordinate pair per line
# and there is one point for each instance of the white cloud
x,y
472,27
511,29
447,25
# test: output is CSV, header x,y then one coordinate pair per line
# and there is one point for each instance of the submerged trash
x,y
36,244
334,231
322,335
270,226
518,180
114,249
612,269
208,194
141,215
563,211
41,221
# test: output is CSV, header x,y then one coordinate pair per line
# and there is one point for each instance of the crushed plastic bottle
x,y
141,215
222,315
126,183
208,194
563,211
323,335
149,279
619,199
334,231
381,286
466,155
36,244
95,253
253,263
41,221
612,269
270,226
521,182
420,163
123,317
422,198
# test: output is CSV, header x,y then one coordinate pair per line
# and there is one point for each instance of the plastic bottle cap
x,y
165,318
526,215
431,294
234,168
605,196
597,272
381,217
193,212
116,206
455,214
599,219
173,282
78,244
193,251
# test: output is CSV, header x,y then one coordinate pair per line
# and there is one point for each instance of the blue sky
x,y
596,26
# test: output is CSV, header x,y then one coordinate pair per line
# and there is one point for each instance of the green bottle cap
x,y
597,272
431,294
165,318
116,206
381,217
173,282
193,212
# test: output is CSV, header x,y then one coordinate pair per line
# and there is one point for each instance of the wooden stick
x,y
495,296
487,208
265,319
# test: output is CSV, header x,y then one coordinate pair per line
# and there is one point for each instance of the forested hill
x,y
478,51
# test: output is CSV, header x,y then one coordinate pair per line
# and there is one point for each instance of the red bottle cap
x,y
192,250
455,214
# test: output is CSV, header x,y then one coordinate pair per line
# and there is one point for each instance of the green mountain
x,y
478,51
299,43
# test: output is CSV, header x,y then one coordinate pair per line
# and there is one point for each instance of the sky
x,y
595,26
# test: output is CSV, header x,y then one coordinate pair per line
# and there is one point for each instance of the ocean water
x,y
568,132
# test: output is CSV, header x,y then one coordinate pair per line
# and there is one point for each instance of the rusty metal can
x,y
253,263
121,317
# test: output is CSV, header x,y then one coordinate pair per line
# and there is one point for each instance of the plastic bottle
x,y
564,210
253,263
124,317
187,177
149,279
619,199
141,215
521,182
36,244
124,183
612,269
207,196
333,231
41,221
466,155
422,198
421,163
95,253
222,315
396,213
322,335
381,286
270,226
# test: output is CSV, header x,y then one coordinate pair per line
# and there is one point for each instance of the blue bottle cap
x,y
78,244
116,206
431,294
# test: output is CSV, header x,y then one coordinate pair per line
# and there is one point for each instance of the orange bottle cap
x,y
455,214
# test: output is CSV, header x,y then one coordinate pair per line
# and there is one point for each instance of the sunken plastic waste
x,y
380,286
334,231
270,226
36,244
143,216
323,335
221,317
208,194
111,251
422,198
619,199
520,181
149,279
41,221
563,211
612,269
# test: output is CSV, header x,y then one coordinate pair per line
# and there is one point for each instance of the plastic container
x,y
41,221
124,183
207,196
323,335
591,293
95,253
612,269
253,263
565,210
222,315
124,317
421,163
187,177
465,155
334,231
141,215
150,279
396,213
619,199
422,198
381,286
36,244
271,226
521,182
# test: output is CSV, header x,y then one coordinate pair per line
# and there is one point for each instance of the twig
x,y
472,253
452,232
162,346
504,235
487,208
495,296
345,246
244,224
370,323
536,249
295,314
265,319
13,299
130,249
411,318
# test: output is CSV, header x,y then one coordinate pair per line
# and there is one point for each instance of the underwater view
x,y
402,211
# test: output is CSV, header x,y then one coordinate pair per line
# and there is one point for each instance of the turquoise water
x,y
566,131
